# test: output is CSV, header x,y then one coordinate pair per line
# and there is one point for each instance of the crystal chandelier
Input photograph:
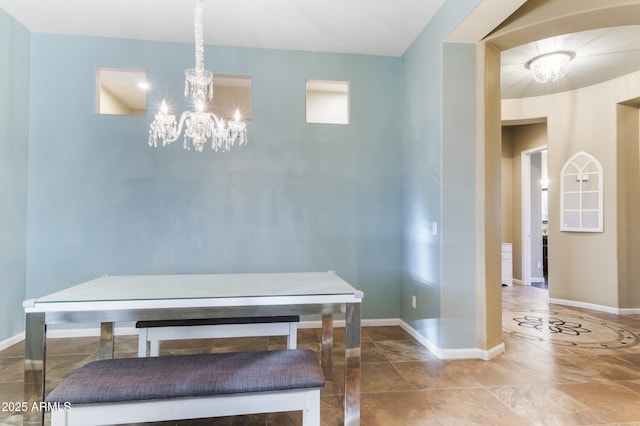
x,y
550,67
199,125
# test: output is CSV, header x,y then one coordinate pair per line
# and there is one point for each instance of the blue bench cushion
x,y
216,321
127,379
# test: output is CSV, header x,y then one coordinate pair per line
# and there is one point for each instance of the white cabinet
x,y
507,263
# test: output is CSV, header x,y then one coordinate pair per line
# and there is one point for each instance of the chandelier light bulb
x,y
550,67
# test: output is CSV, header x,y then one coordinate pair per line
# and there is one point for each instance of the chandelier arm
x,y
178,128
183,118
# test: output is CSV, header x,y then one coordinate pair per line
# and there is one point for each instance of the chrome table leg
x,y
327,346
34,368
352,354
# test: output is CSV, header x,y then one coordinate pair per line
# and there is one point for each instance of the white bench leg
x,y
142,342
154,347
59,418
292,337
311,416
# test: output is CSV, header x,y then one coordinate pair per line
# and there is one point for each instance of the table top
x,y
127,288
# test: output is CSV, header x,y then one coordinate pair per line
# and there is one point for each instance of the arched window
x,y
581,194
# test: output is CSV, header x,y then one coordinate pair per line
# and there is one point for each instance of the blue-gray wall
x,y
298,197
14,119
439,184
359,199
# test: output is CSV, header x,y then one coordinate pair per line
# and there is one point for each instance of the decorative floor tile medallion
x,y
567,328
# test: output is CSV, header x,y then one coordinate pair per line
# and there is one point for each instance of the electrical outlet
x,y
539,264
413,302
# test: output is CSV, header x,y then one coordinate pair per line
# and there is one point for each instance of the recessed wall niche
x,y
232,93
327,102
121,91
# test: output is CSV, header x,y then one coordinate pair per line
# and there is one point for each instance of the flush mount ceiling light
x,y
550,67
200,126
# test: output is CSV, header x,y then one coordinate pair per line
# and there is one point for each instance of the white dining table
x,y
111,299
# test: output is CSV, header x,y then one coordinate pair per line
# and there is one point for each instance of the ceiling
x,y
601,55
380,27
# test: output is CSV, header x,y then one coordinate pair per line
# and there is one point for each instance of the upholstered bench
x,y
155,331
129,390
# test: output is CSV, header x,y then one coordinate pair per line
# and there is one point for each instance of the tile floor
x,y
549,375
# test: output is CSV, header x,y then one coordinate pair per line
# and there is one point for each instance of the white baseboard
x,y
68,332
130,331
629,311
468,353
465,353
11,341
383,322
88,332
595,307
341,323
475,353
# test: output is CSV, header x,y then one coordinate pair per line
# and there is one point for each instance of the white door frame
x,y
525,196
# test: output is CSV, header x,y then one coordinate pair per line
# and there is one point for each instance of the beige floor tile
x,y
556,369
16,350
308,335
332,411
334,386
11,369
81,345
607,398
632,358
607,366
450,407
435,374
404,350
383,377
385,333
10,392
500,372
633,385
547,405
183,347
13,420
371,353
518,348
